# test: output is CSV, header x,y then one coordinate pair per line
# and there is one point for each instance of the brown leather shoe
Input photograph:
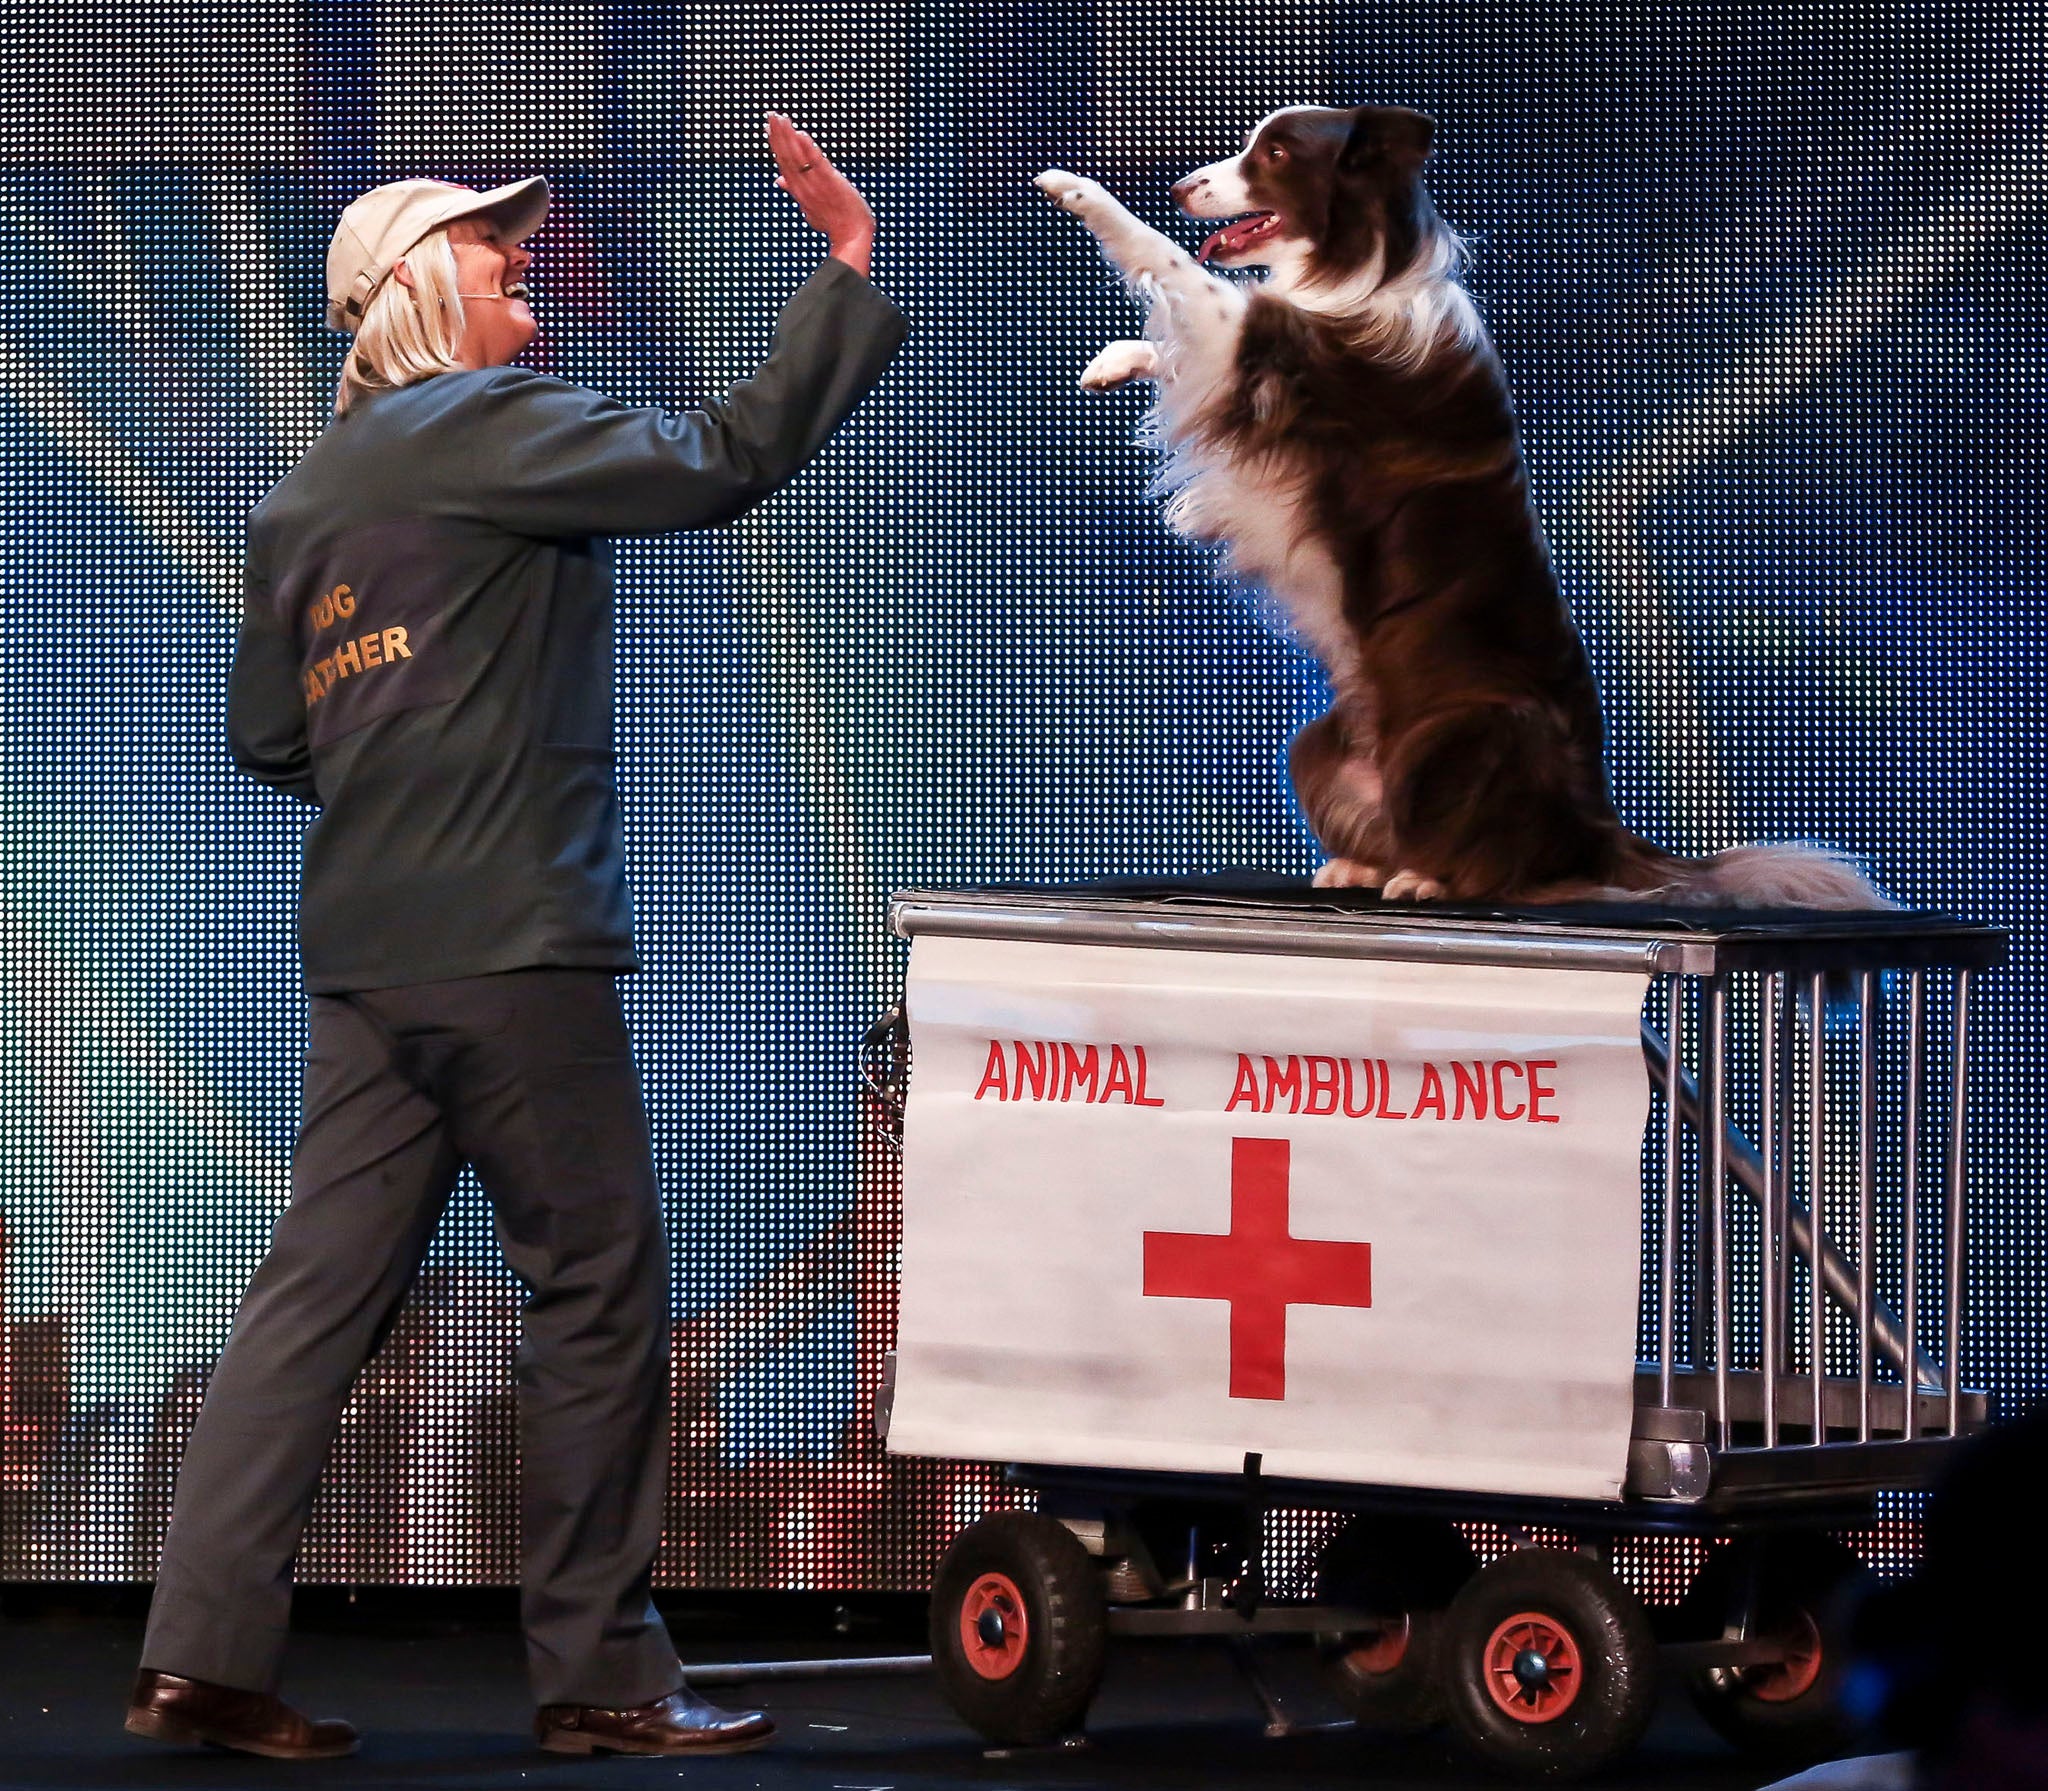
x,y
681,1723
187,1712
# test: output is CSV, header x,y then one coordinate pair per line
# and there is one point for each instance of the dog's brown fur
x,y
1463,754
1480,712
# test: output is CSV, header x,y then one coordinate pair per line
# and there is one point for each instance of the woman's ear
x,y
403,275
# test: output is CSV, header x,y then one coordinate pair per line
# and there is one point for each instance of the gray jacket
x,y
426,640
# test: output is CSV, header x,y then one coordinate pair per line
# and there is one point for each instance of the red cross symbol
x,y
1258,1267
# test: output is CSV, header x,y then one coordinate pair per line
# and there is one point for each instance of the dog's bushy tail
x,y
1771,876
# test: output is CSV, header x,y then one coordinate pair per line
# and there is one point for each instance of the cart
x,y
1793,1168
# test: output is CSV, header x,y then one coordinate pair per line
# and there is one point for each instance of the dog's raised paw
x,y
1348,873
1118,364
1073,191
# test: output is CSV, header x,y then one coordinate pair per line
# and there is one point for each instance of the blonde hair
x,y
408,333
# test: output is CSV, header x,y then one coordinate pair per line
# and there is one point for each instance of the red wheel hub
x,y
1533,1668
995,1630
1793,1677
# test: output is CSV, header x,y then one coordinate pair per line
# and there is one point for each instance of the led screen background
x,y
1768,283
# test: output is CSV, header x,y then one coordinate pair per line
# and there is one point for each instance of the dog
x,y
1343,428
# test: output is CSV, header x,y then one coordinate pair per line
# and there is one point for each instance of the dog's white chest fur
x,y
1256,511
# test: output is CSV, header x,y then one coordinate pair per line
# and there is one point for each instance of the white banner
x,y
1377,1221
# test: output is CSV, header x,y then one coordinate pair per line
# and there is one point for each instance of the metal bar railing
x,y
1746,1168
1784,1188
1770,1252
1953,1352
1866,1192
1816,1196
1846,1276
1668,1266
1716,1203
1916,1040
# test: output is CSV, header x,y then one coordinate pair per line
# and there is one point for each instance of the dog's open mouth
x,y
1234,239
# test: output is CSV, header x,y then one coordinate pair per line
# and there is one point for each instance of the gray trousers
x,y
529,1076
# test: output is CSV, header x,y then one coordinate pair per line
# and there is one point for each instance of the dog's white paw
x,y
1412,886
1073,191
1348,873
1119,364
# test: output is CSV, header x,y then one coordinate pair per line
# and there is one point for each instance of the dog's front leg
x,y
1141,254
1338,785
1159,270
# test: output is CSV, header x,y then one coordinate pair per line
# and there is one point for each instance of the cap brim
x,y
518,209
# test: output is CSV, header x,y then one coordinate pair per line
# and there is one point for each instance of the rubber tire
x,y
1797,1571
1617,1653
1066,1628
1395,1566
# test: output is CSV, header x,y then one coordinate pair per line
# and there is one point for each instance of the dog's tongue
x,y
1233,237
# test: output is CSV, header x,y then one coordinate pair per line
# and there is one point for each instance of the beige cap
x,y
377,229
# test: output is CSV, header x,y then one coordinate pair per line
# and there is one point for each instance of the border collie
x,y
1344,429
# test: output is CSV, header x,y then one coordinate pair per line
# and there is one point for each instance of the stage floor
x,y
436,1686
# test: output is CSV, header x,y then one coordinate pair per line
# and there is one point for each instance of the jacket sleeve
x,y
558,461
266,705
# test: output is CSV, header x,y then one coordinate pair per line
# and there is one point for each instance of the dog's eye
x,y
1276,152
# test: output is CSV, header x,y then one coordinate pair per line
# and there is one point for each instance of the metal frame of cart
x,y
1802,1328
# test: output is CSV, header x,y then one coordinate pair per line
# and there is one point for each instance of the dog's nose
x,y
1184,190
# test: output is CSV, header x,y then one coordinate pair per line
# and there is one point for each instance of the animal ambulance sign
x,y
1377,1221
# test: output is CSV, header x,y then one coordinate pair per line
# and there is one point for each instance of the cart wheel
x,y
1549,1666
1405,1569
1788,1712
1018,1628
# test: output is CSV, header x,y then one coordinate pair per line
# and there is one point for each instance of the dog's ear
x,y
1387,134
